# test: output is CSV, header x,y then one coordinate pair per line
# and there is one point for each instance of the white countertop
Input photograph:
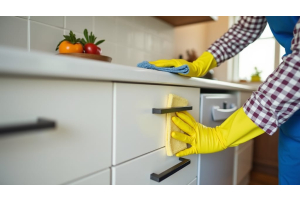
x,y
39,64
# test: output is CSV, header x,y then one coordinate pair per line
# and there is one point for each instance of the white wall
x,y
199,37
129,40
190,37
214,32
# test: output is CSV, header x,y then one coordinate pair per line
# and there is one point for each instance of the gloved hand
x,y
236,129
197,68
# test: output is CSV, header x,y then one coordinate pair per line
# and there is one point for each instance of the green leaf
x,y
79,41
71,36
75,39
59,44
90,38
82,41
67,37
93,37
99,42
85,33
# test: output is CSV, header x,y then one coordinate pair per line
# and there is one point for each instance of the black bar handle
x,y
162,176
170,110
39,124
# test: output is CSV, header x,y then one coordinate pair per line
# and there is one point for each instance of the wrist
x,y
204,63
210,60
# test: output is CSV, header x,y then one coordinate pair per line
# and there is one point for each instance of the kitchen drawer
x,y
216,108
136,131
100,178
216,168
138,171
243,163
79,145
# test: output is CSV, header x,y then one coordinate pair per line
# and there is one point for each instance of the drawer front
x,y
100,178
213,104
136,131
138,171
79,145
216,168
244,161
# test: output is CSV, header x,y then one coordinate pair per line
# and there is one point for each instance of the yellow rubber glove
x,y
236,129
197,68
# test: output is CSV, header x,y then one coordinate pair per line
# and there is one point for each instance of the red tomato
x,y
99,50
91,48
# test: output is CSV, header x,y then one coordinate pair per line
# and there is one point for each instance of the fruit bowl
x,y
88,56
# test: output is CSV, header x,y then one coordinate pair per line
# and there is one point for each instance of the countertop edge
x,y
39,64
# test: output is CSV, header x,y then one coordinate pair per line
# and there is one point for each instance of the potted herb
x,y
256,76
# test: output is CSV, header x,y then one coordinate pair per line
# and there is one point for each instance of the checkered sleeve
x,y
279,96
238,37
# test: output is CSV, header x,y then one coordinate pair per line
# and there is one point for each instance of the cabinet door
x,y
80,143
243,161
138,171
136,131
100,178
216,168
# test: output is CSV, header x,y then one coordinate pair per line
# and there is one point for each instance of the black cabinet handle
x,y
162,176
39,124
170,110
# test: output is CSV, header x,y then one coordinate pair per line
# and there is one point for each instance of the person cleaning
x,y
275,104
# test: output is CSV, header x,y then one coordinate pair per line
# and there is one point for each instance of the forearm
x,y
238,37
279,96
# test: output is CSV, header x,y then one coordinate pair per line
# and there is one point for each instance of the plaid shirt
x,y
278,97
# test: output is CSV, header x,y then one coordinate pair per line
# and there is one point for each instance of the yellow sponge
x,y
174,146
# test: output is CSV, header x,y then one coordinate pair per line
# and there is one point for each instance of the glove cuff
x,y
239,129
209,60
203,64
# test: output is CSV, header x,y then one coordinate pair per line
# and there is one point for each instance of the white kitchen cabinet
x,y
243,162
136,131
243,155
79,145
100,178
216,168
98,108
138,171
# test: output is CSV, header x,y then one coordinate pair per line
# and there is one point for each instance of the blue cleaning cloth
x,y
184,69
